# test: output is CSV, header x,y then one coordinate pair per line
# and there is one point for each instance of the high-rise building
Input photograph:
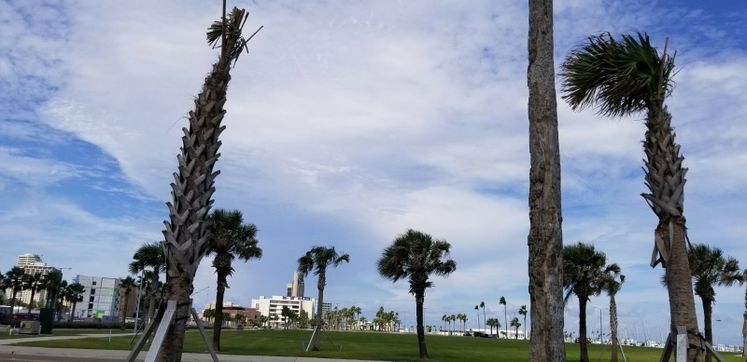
x,y
295,288
32,264
100,298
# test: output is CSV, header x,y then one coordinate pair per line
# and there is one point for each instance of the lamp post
x,y
137,306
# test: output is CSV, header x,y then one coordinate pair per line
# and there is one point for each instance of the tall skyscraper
x,y
295,288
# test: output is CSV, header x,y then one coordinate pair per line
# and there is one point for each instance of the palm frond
x,y
618,77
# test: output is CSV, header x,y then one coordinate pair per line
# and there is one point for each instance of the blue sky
x,y
349,123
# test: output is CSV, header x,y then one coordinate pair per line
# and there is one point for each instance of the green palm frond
x,y
618,77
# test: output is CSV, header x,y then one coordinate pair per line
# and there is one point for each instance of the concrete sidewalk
x,y
55,338
21,353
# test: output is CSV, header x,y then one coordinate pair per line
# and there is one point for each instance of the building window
x,y
91,299
93,291
93,282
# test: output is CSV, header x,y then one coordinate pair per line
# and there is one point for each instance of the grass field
x,y
363,345
61,332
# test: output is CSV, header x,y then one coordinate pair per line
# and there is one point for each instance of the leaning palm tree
x,y
14,281
628,76
149,257
229,239
523,311
505,313
415,255
126,284
545,237
318,259
709,267
583,274
612,281
33,283
186,230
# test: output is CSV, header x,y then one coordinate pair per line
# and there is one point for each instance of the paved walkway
x,y
9,352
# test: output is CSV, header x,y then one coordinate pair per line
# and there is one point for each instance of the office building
x,y
272,307
32,264
100,298
295,288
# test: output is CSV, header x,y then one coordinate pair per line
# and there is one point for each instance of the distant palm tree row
x,y
57,291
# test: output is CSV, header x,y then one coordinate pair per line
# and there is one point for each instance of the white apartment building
x,y
272,307
100,298
32,264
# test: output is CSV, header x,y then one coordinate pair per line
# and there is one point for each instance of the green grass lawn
x,y
365,345
61,332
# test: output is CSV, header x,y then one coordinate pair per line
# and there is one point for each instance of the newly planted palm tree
x,y
33,283
584,270
186,230
415,255
709,268
127,284
523,311
317,260
545,239
611,283
515,323
73,294
629,76
14,281
505,312
149,257
229,239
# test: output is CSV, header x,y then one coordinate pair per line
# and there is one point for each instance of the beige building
x,y
272,307
32,264
295,288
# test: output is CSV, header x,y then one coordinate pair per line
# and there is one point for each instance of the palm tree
x,y
453,318
149,257
545,237
709,267
515,323
484,316
505,312
744,316
445,318
415,255
463,318
584,270
194,184
317,259
477,308
626,77
74,294
32,282
229,238
127,283
523,312
493,322
612,281
51,284
14,281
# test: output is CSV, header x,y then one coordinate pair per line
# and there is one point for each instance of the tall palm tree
x,y
318,259
33,283
584,270
149,257
628,76
744,316
229,238
127,284
14,281
545,237
194,184
74,293
515,323
505,313
463,318
523,311
51,284
709,267
484,315
415,255
445,318
453,318
612,281
477,308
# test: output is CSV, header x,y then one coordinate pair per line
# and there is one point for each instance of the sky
x,y
350,122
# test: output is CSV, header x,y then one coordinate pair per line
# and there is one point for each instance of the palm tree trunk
x,y
316,340
419,300
525,326
31,301
665,178
72,310
218,325
582,328
707,322
505,319
13,302
744,326
193,187
613,327
545,235
123,317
